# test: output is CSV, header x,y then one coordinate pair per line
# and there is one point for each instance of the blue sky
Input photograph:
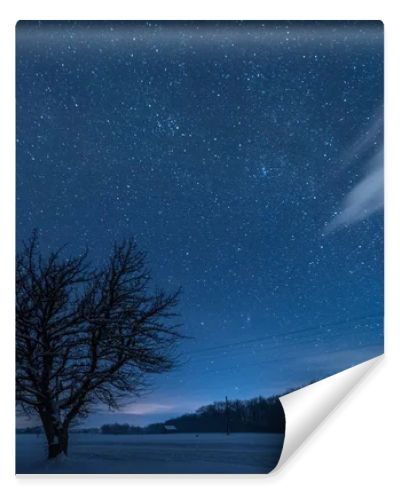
x,y
247,161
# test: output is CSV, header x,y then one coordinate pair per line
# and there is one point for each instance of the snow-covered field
x,y
172,453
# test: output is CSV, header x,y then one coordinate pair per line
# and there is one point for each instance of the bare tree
x,y
85,337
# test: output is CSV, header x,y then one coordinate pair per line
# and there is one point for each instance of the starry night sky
x,y
246,159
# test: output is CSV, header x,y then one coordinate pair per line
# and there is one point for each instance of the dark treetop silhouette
x,y
86,336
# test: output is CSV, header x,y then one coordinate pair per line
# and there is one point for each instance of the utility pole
x,y
227,415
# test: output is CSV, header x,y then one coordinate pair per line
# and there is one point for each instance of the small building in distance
x,y
170,429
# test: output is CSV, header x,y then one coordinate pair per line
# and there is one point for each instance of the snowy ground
x,y
157,454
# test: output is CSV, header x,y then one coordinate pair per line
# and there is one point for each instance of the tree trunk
x,y
59,444
57,437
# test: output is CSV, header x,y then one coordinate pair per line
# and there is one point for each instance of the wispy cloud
x,y
363,200
366,197
147,408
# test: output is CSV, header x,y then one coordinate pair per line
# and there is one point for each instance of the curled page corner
x,y
306,408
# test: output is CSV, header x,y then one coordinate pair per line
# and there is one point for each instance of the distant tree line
x,y
30,430
121,429
254,415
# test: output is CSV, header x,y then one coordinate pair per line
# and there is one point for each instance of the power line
x,y
269,361
288,334
324,339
